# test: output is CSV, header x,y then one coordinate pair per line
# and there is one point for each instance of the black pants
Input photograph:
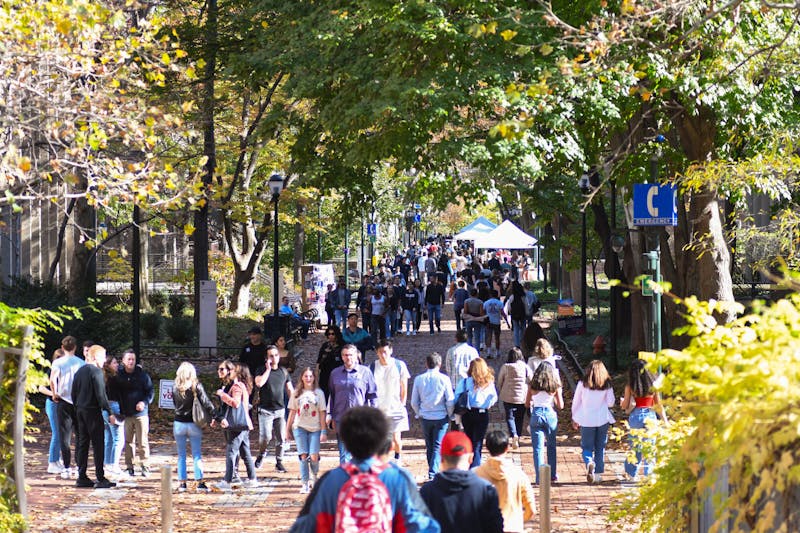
x,y
90,429
66,421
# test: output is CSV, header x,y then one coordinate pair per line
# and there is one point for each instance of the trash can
x,y
276,326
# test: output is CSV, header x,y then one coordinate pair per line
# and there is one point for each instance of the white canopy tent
x,y
507,236
480,226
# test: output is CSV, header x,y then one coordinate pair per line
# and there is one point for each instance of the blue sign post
x,y
654,205
372,230
417,218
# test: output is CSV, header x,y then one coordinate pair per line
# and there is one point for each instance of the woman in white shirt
x,y
544,394
593,396
307,424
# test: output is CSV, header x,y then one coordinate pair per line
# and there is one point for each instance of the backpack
x,y
363,504
518,308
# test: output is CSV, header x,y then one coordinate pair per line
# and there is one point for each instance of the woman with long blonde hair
x,y
184,391
307,425
481,396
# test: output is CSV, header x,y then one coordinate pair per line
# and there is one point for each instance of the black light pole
x,y
136,263
584,185
617,245
275,186
319,230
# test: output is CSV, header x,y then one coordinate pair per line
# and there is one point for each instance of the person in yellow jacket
x,y
517,501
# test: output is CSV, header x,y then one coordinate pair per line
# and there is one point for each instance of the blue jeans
x,y
341,318
408,315
391,323
184,431
237,444
344,455
307,441
433,431
55,443
434,316
515,417
518,326
110,441
638,420
543,435
474,333
593,446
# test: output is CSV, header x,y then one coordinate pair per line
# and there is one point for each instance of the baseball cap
x,y
456,443
254,329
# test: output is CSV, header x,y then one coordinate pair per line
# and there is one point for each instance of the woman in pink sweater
x,y
590,413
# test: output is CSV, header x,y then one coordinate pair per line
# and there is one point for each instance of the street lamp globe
x,y
617,243
583,183
276,184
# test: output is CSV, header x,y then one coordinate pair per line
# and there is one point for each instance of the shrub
x,y
177,304
180,329
151,324
158,300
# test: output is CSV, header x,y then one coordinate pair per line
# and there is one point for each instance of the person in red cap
x,y
456,497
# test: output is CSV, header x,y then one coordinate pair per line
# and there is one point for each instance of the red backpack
x,y
363,505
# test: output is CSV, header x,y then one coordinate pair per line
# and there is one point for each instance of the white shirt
x,y
387,380
62,374
590,407
457,361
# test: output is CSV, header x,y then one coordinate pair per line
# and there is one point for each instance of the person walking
x,y
235,396
481,396
89,397
62,373
307,425
516,498
274,387
512,382
341,303
434,299
114,437
379,306
460,500
543,395
54,463
329,357
254,352
458,358
409,303
432,400
391,379
460,296
516,307
350,385
185,389
593,396
474,317
644,406
495,314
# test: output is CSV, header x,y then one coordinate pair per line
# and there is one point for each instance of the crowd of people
x,y
106,403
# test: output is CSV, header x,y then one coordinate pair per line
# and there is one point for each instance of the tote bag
x,y
200,416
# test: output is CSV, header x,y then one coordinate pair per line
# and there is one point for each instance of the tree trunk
x,y
299,244
240,298
200,236
82,272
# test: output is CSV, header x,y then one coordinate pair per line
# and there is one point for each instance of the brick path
x,y
57,506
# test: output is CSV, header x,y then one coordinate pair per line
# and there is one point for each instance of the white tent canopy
x,y
480,226
506,236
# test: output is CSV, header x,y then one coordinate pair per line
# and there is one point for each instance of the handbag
x,y
236,417
200,416
461,404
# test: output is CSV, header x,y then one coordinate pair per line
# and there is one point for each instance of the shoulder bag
x,y
237,417
200,416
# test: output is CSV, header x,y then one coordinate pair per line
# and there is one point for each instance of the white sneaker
x,y
598,478
54,468
251,483
70,473
515,443
414,332
408,333
221,485
590,475
304,488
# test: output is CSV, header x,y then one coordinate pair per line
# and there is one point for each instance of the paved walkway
x,y
57,506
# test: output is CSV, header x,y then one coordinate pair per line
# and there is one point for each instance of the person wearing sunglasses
x,y
330,357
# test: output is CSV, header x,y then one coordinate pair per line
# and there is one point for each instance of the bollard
x,y
544,498
166,499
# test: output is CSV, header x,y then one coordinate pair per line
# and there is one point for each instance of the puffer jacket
x,y
512,382
517,501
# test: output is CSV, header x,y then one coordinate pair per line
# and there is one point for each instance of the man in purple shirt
x,y
350,385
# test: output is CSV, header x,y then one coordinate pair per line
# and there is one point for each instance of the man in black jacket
x,y
434,299
458,499
134,388
254,353
89,398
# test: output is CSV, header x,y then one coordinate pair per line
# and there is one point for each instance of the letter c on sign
x,y
653,210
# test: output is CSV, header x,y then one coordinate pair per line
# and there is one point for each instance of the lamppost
x,y
275,183
319,230
583,183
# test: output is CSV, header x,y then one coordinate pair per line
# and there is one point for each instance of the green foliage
x,y
158,300
177,305
151,324
733,398
12,323
180,329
